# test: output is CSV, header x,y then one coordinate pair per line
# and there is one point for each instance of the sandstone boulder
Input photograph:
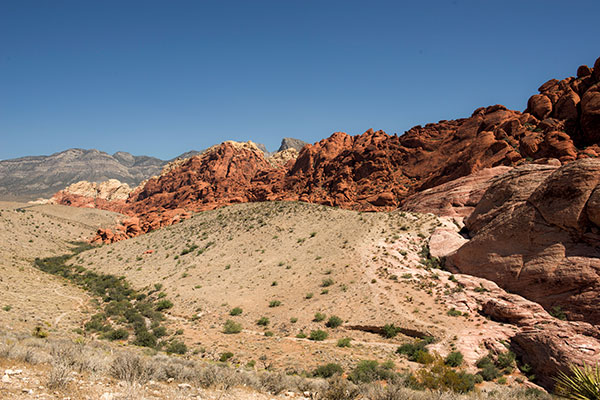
x,y
531,234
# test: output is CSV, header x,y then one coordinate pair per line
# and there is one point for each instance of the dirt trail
x,y
61,316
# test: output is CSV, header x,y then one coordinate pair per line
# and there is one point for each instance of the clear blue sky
x,y
163,77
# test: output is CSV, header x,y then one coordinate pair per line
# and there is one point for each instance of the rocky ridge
x,y
373,171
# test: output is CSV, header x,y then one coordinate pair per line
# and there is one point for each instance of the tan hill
x,y
33,297
288,261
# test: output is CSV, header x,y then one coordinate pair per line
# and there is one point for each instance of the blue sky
x,y
163,77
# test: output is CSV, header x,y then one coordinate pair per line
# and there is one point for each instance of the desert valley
x,y
459,260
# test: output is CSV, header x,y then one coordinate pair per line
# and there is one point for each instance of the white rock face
x,y
111,189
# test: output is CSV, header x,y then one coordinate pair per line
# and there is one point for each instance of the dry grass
x,y
135,370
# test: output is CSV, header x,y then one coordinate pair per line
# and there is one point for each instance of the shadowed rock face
x,y
535,233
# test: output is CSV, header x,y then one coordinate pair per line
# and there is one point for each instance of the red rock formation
x,y
456,198
375,171
534,234
546,343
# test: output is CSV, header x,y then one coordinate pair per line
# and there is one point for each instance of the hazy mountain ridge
x,y
31,177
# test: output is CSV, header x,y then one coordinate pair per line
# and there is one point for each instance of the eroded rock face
x,y
533,235
574,100
546,343
456,198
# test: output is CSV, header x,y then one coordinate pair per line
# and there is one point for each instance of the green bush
x,y
327,282
328,370
506,361
301,335
235,311
390,331
453,312
442,377
117,334
334,321
159,331
176,347
274,303
345,342
263,321
231,327
144,338
416,351
367,371
489,372
226,356
318,335
454,359
319,317
163,305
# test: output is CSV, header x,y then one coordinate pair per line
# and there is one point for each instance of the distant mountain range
x,y
32,177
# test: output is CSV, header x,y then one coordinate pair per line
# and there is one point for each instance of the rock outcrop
x,y
109,195
535,233
456,198
291,143
375,171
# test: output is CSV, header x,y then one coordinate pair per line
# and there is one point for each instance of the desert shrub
x,y
263,321
367,371
301,335
274,383
453,312
318,335
159,331
327,370
117,334
144,338
390,331
489,372
454,359
176,347
117,307
327,282
235,311
582,383
416,351
506,361
97,323
58,378
442,377
334,322
557,312
129,368
319,317
423,357
226,356
274,303
344,342
164,305
340,389
231,327
39,332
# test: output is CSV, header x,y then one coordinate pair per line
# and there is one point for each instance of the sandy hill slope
x,y
26,232
287,260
